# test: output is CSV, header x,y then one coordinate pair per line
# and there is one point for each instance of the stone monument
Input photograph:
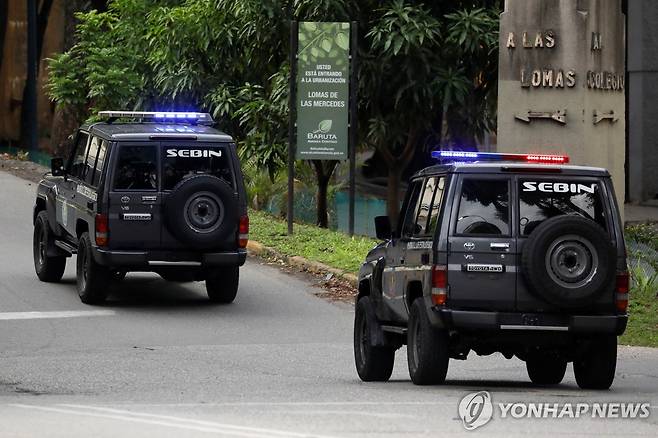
x,y
562,81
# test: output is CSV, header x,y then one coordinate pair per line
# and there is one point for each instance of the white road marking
x,y
168,421
8,316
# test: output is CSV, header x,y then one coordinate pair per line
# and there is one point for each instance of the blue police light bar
x,y
159,116
490,156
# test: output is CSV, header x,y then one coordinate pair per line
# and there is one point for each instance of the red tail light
x,y
243,231
439,284
621,291
102,230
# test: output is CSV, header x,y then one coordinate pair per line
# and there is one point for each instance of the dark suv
x,y
160,192
512,256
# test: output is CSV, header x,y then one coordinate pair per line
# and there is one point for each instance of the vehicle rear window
x,y
484,207
543,199
137,168
180,163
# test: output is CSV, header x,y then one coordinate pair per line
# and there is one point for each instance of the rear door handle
x,y
499,246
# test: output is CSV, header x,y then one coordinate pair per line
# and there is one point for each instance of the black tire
x,y
595,369
427,348
373,363
48,269
546,370
202,211
568,261
222,284
92,278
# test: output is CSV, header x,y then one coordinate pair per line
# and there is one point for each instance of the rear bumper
x,y
147,260
528,322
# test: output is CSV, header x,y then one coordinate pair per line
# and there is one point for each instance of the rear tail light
x,y
243,231
439,284
621,291
102,230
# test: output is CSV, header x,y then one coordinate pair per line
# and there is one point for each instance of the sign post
x,y
320,97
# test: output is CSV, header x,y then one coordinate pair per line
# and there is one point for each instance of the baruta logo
x,y
322,133
475,410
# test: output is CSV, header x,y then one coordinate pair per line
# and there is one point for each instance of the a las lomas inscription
x,y
561,81
558,78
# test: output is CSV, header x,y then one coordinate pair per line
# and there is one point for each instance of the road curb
x,y
258,249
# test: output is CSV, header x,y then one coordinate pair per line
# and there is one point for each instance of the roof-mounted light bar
x,y
490,156
159,116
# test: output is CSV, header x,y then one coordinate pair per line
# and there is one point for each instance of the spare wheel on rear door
x,y
568,261
201,211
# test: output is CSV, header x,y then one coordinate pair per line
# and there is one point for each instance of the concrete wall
x,y
643,95
564,48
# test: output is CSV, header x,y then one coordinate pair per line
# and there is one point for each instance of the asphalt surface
x,y
159,361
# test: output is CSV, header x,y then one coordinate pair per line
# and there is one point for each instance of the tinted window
x,y
484,207
90,161
78,163
183,162
543,199
412,209
100,162
136,168
436,206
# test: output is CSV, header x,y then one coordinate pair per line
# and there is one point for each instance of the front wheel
x,y
595,369
48,269
427,348
373,363
222,284
92,278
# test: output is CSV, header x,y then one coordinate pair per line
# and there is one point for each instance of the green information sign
x,y
323,91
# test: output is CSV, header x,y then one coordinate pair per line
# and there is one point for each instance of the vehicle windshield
x,y
182,162
543,199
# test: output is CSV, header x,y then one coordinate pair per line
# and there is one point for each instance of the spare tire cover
x,y
568,261
201,211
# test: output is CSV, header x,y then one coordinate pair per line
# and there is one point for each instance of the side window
x,y
90,161
100,162
136,168
484,208
436,206
78,163
412,208
425,206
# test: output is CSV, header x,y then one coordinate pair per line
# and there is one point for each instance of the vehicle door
x,y
134,212
392,291
482,255
418,239
67,196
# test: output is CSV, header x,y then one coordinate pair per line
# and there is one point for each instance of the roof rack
x,y
159,116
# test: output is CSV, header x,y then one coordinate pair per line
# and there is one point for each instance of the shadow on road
x,y
154,292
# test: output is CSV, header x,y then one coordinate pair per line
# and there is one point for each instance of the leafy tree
x,y
427,71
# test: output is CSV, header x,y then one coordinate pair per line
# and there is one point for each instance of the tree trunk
x,y
323,172
393,194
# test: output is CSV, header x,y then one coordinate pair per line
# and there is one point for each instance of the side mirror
x,y
383,227
57,166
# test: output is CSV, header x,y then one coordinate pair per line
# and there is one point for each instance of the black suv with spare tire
x,y
497,253
159,192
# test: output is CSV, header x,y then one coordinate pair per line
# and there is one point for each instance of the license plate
x,y
479,267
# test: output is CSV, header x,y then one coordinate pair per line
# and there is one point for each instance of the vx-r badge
x,y
469,246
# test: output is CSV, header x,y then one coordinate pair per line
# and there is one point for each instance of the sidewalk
x,y
641,213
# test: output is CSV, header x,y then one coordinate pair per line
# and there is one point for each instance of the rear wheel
x,y
373,363
427,348
545,369
222,284
595,369
48,269
92,278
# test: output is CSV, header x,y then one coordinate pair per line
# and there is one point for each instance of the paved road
x,y
158,360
